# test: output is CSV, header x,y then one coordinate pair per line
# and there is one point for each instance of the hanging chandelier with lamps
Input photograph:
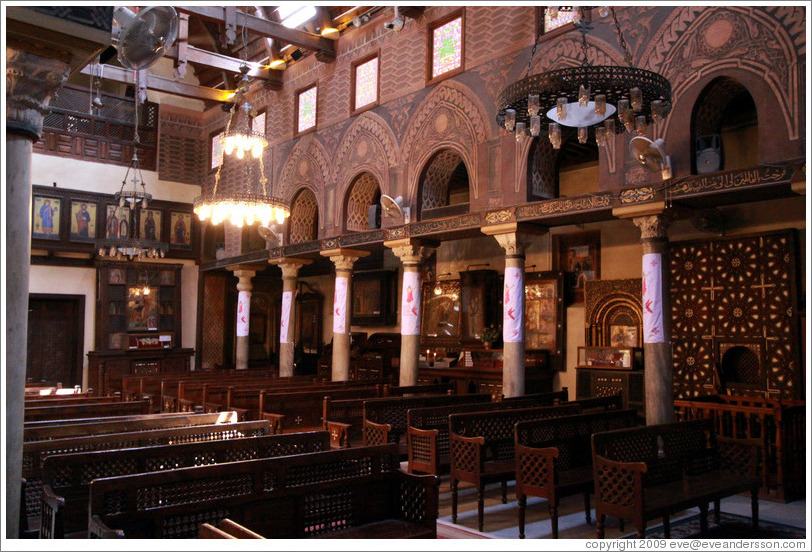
x,y
239,139
607,99
136,198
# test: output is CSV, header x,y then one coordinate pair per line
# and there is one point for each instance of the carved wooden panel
x,y
734,322
613,307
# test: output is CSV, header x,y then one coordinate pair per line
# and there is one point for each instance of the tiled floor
x,y
501,520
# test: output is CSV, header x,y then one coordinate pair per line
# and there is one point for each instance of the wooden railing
x,y
779,424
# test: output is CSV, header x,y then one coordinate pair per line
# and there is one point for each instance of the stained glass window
x,y
554,19
366,83
258,124
307,109
216,151
446,47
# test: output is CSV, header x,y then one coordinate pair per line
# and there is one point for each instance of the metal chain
x,y
622,41
584,28
533,51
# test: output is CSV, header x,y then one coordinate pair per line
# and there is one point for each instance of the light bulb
x,y
657,110
603,11
144,203
520,130
561,108
256,150
640,125
240,152
533,104
121,201
600,136
600,104
636,96
583,95
535,125
510,119
582,134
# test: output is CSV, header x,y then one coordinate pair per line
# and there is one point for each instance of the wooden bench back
x,y
57,400
69,475
305,408
668,450
394,410
285,497
40,431
571,435
34,453
91,410
496,426
542,398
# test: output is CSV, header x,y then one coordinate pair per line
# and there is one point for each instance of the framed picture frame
x,y
82,221
142,309
544,327
440,316
149,225
180,229
623,336
579,256
117,222
373,298
46,216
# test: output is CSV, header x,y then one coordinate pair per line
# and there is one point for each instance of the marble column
x,y
657,346
411,253
30,82
287,326
244,288
343,259
514,243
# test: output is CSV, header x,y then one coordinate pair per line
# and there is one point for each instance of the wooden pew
x,y
40,431
654,471
385,420
35,452
66,486
90,410
780,425
226,529
554,458
482,452
347,493
302,410
427,428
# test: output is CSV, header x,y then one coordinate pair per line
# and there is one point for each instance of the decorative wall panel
x,y
734,322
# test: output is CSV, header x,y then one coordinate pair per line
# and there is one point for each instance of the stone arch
x,y
452,117
436,178
697,45
307,166
368,142
303,224
363,192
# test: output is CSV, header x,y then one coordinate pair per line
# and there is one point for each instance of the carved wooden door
x,y
55,339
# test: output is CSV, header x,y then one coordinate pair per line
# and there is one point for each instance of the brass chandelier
x,y
597,100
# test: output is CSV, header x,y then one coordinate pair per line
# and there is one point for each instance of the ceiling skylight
x,y
293,15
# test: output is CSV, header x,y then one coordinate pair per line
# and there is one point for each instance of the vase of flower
x,y
489,335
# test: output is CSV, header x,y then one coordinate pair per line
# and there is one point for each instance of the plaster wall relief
x,y
361,196
542,176
499,30
436,179
304,216
403,60
368,144
696,44
307,165
449,117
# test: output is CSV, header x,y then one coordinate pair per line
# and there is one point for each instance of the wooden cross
x,y
763,287
712,289
298,420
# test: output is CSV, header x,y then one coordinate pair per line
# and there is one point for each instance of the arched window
x,y
444,186
304,218
363,193
724,128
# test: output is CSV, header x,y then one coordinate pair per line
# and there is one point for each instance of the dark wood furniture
x,y
385,420
603,382
480,371
106,369
481,445
554,458
654,471
346,493
226,529
427,428
80,427
377,359
66,477
780,425
34,453
85,410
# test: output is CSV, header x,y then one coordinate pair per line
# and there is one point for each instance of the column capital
x,y
514,237
653,226
244,275
31,80
290,266
798,182
344,258
411,251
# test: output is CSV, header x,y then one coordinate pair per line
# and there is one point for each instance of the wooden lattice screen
x,y
734,316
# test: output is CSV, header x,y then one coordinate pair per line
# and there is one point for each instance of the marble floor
x,y
501,520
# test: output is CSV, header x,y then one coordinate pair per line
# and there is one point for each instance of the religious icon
x,y
46,218
116,220
181,228
150,224
82,221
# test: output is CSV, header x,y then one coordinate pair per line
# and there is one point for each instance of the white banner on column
x,y
340,305
410,304
512,316
243,309
287,298
652,298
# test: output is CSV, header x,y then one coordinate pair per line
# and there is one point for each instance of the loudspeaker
x,y
374,221
708,153
296,55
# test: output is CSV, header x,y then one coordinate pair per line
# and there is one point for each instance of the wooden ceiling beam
x,y
226,63
325,48
161,84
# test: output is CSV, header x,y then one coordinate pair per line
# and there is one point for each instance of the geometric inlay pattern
x,y
735,293
437,178
361,198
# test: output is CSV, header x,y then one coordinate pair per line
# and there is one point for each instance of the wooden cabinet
x,y
601,382
107,368
481,372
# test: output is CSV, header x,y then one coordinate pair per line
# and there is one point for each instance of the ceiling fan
x,y
142,38
651,155
393,207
